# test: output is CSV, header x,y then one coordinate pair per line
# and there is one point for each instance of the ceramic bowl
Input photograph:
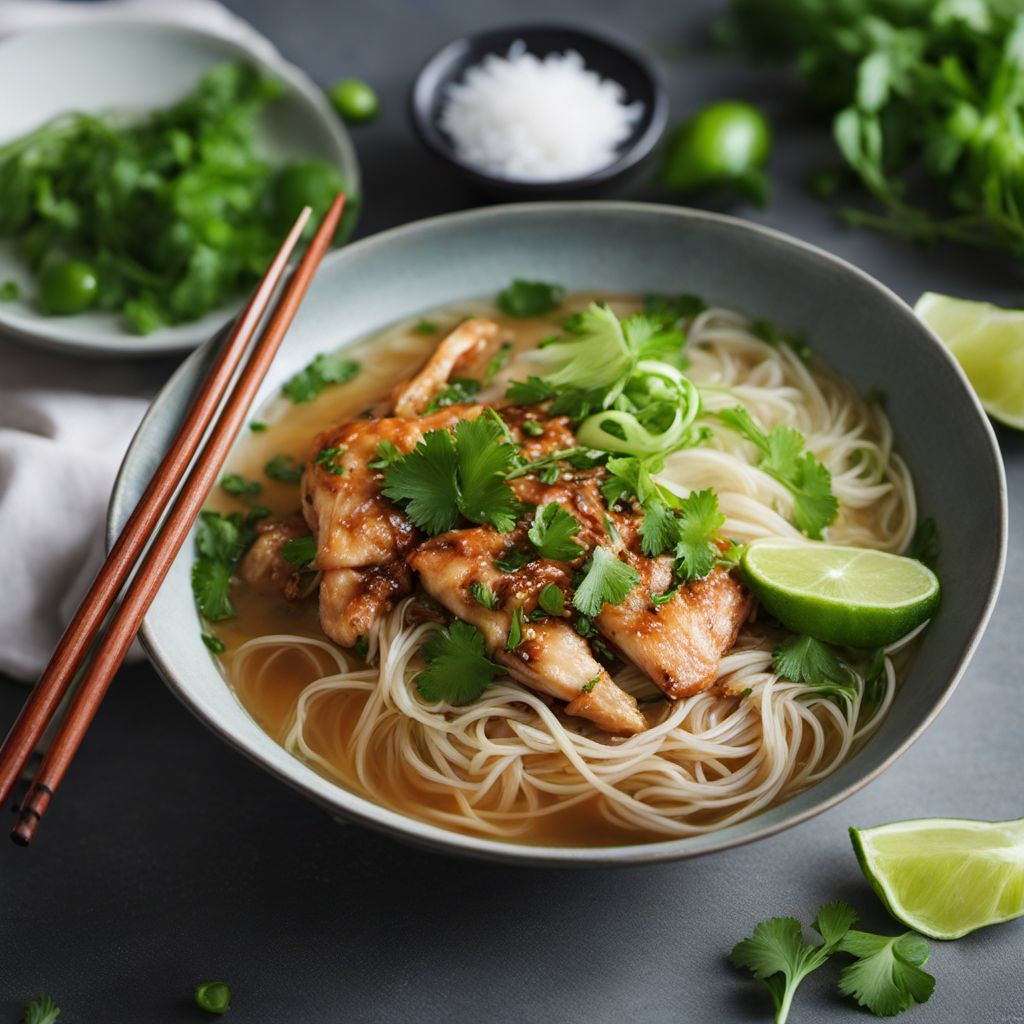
x,y
133,67
609,57
857,325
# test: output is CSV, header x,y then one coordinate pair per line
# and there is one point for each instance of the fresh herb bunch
x,y
162,219
915,86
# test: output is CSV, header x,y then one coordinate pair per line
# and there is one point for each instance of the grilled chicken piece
x,y
362,537
262,566
678,644
467,340
552,658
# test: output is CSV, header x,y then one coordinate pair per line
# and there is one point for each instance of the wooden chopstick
x,y
125,622
52,685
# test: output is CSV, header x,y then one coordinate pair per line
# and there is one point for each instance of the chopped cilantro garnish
x,y
552,531
529,391
451,475
211,586
607,580
458,669
514,560
387,452
659,599
767,331
529,298
257,426
285,468
330,459
784,458
551,599
590,684
532,428
455,392
299,551
696,526
40,1011
483,595
325,369
213,643
515,631
222,538
425,327
802,659
671,309
9,291
239,485
361,648
498,361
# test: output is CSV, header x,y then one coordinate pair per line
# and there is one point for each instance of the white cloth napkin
x,y
65,422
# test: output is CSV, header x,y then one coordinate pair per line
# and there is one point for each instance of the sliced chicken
x,y
552,658
362,537
678,644
468,340
262,566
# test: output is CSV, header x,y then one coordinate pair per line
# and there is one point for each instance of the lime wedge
x,y
988,342
945,877
855,597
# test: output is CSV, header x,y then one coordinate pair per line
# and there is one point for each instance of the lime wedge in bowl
x,y
855,597
988,342
945,877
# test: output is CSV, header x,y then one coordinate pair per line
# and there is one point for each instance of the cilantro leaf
x,y
211,586
456,391
325,369
802,659
529,391
448,475
777,955
458,670
285,468
9,291
213,643
330,459
424,481
497,362
298,551
529,298
784,458
552,532
483,595
607,580
886,977
220,538
484,458
514,559
239,486
551,599
40,1011
387,452
658,529
515,632
697,523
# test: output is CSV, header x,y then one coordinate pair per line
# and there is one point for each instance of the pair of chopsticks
x,y
73,650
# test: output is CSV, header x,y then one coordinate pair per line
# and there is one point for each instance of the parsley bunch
x,y
783,457
886,976
916,88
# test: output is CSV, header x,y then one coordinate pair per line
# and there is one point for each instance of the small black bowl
x,y
608,57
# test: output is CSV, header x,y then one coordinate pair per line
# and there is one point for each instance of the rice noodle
x,y
511,757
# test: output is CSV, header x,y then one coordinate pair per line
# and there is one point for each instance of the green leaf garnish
x,y
213,643
886,978
239,485
211,587
802,659
285,468
330,459
529,298
325,369
515,632
551,599
455,392
607,580
783,457
458,668
298,551
552,531
483,595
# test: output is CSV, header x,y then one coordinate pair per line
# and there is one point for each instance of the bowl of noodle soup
x,y
790,333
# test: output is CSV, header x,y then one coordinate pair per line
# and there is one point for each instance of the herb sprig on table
x,y
915,87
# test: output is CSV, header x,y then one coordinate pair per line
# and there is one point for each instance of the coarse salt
x,y
528,118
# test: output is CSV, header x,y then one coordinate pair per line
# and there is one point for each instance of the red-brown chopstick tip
x,y
37,799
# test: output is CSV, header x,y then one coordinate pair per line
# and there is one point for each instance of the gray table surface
x,y
169,859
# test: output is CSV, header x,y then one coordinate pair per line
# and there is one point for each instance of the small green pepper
x,y
725,144
213,996
67,287
354,100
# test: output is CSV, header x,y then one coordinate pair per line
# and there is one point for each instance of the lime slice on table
x,y
855,597
988,342
945,877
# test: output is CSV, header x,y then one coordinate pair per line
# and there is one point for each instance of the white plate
x,y
137,66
